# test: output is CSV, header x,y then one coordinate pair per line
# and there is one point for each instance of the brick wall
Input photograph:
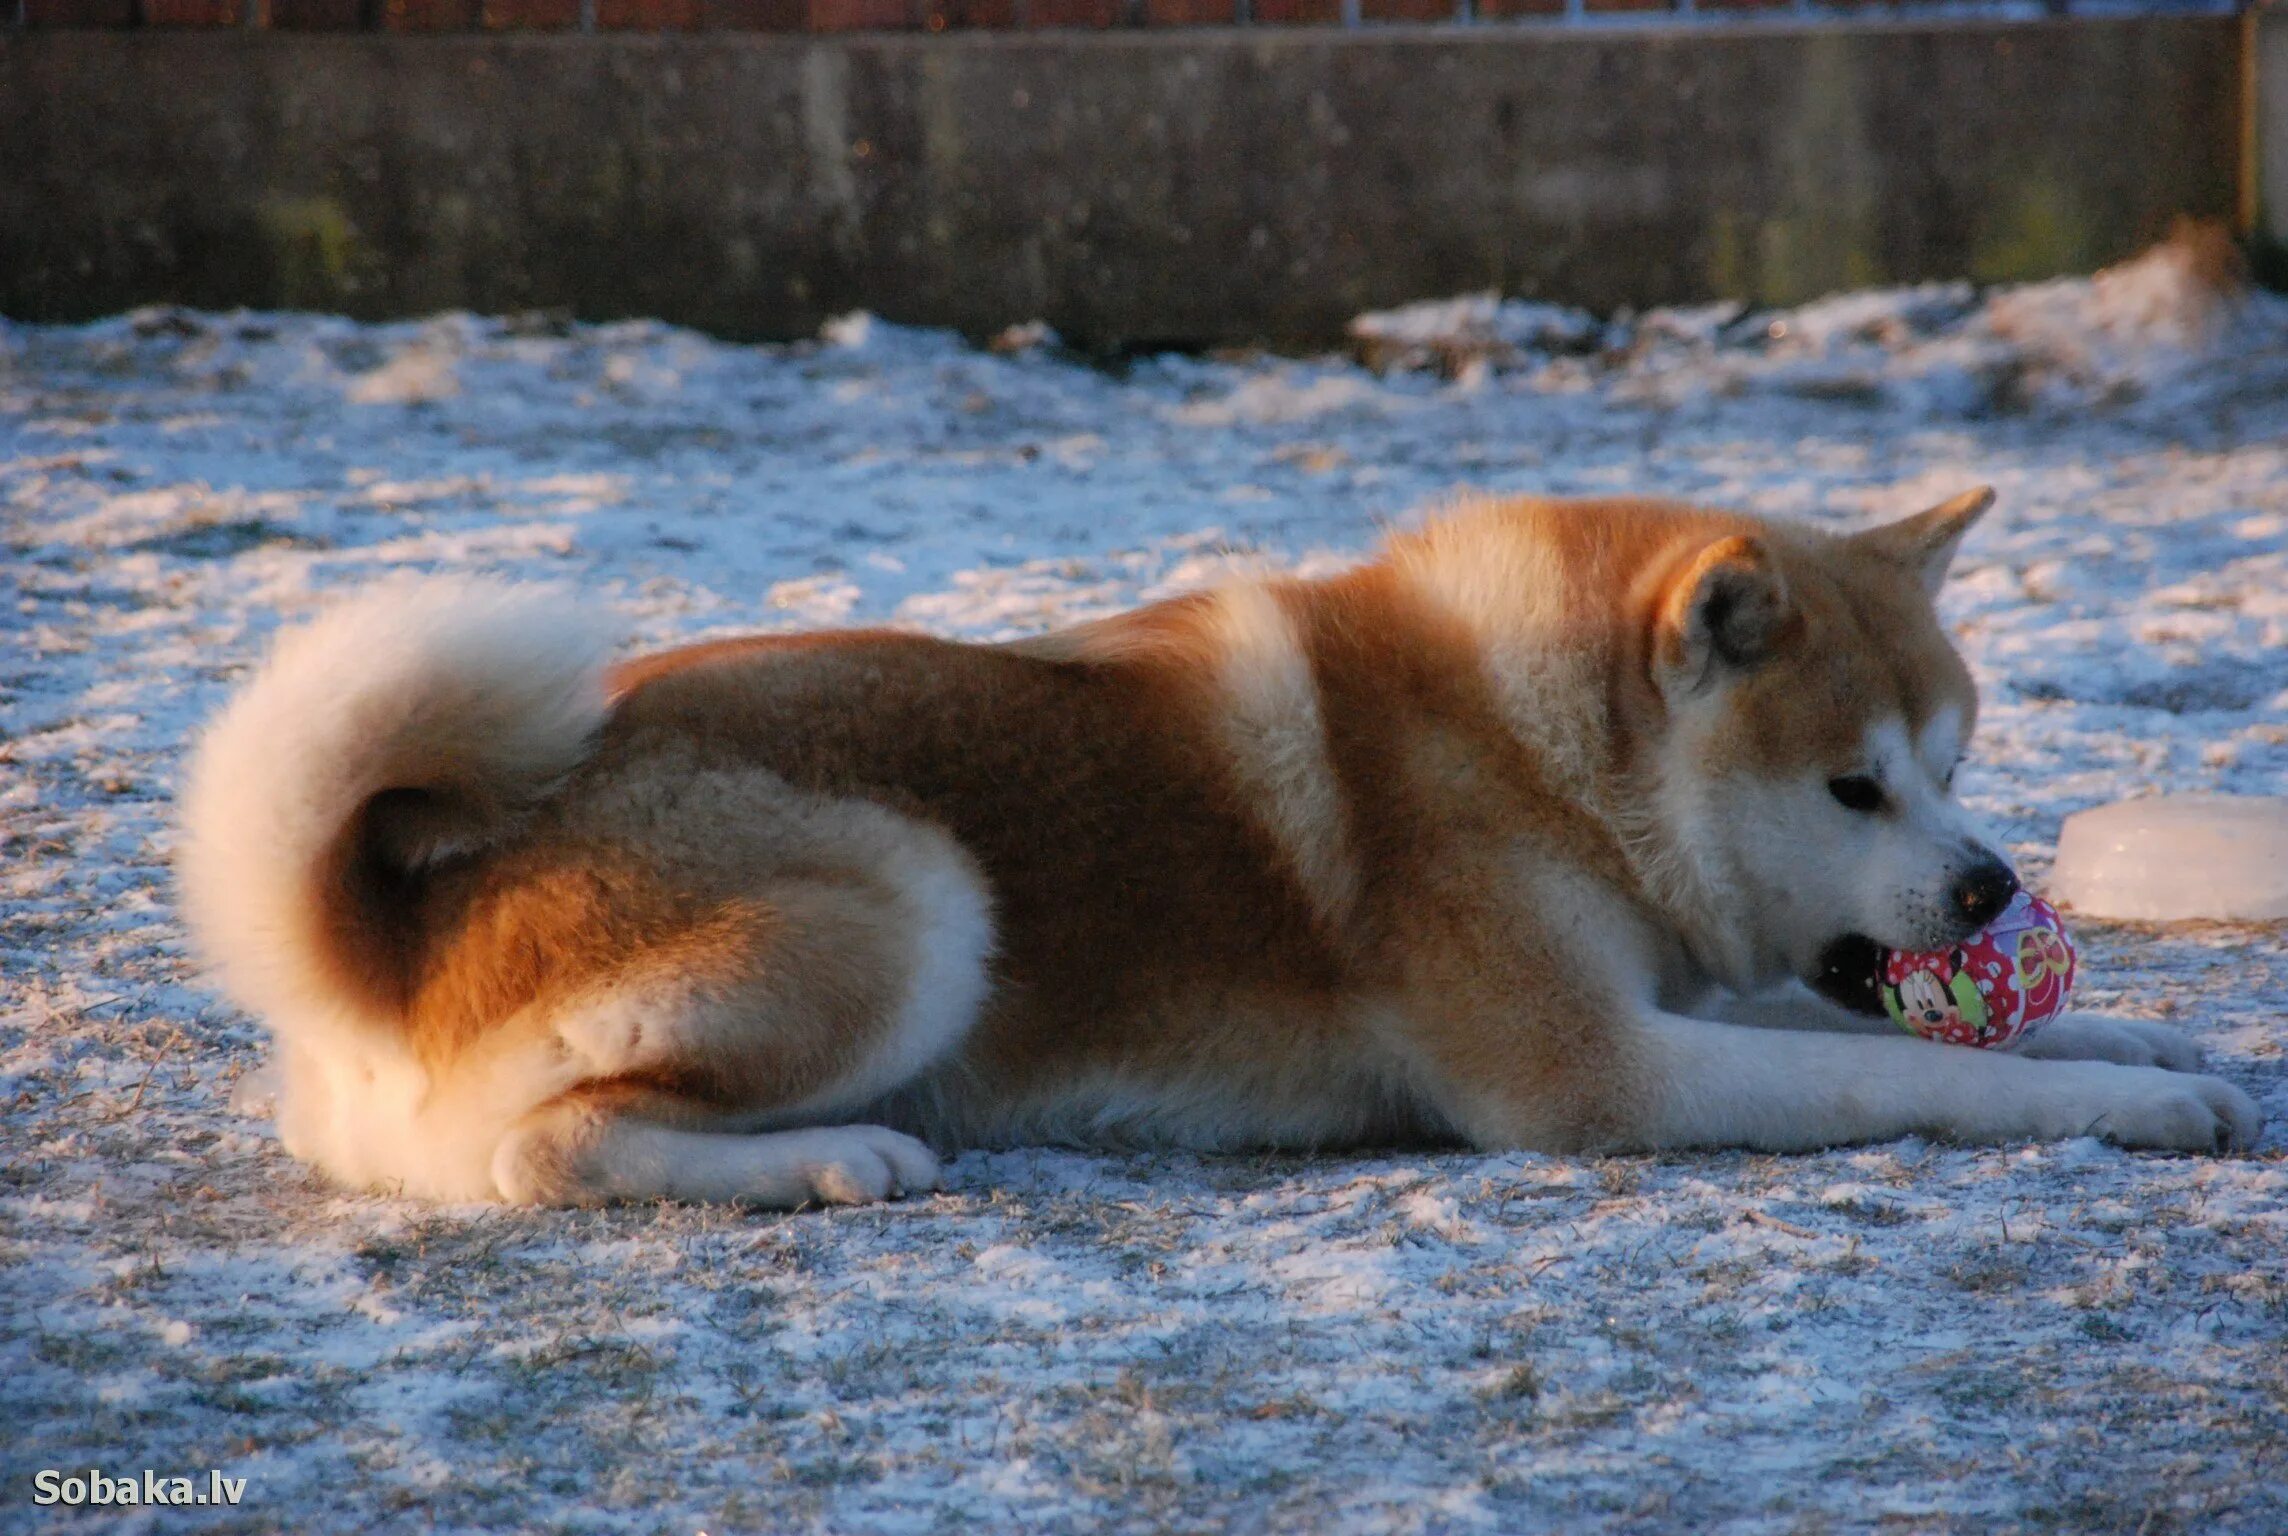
x,y
835,15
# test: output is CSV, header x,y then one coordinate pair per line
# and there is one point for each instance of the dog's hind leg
x,y
607,1142
738,1057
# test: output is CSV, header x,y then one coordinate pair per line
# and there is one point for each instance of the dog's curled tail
x,y
411,725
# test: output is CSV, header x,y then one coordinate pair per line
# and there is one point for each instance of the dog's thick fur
x,y
1451,846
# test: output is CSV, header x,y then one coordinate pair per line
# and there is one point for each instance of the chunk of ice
x,y
2177,856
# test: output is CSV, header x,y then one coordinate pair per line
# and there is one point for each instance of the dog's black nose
x,y
1984,892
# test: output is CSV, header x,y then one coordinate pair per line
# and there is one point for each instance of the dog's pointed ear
x,y
1724,614
1925,543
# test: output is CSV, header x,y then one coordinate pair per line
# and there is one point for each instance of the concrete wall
x,y
1130,188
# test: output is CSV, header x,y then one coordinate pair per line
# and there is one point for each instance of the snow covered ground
x,y
1902,1338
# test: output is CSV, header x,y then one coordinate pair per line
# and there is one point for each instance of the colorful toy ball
x,y
1992,990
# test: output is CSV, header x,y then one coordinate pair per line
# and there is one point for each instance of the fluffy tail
x,y
410,725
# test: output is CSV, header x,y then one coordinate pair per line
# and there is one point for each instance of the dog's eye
x,y
1856,792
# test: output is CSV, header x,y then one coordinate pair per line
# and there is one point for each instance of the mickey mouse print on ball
x,y
1994,989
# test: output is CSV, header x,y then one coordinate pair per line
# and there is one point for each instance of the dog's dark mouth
x,y
1850,972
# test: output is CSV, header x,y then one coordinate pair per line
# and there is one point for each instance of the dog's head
x,y
1811,715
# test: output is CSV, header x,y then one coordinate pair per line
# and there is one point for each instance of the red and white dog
x,y
1468,843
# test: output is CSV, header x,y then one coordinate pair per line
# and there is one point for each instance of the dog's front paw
x,y
2166,1111
2126,1042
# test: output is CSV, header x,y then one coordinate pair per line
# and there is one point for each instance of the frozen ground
x,y
1899,1338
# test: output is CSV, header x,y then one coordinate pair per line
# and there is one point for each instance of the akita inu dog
x,y
1455,846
